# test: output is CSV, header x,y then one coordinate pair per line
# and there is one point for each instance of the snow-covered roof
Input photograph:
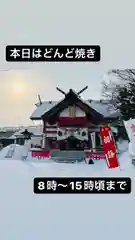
x,y
36,130
5,134
41,109
101,106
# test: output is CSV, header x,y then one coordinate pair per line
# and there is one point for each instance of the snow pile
x,y
122,146
8,151
130,128
28,216
11,152
125,162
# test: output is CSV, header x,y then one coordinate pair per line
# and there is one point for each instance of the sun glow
x,y
18,88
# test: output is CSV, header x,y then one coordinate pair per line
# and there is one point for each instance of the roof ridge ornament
x,y
77,93
39,101
82,90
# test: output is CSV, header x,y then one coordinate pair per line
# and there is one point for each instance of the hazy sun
x,y
18,88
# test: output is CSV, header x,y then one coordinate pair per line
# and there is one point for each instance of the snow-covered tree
x,y
122,92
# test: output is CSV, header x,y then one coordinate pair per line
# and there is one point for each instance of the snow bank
x,y
8,151
130,128
122,146
12,151
28,216
15,152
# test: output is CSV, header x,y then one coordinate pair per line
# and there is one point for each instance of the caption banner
x,y
82,185
53,53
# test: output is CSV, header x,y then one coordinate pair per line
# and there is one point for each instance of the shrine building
x,y
72,124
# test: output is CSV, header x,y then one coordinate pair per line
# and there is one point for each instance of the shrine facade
x,y
72,124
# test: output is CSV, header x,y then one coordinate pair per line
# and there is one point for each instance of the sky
x,y
109,24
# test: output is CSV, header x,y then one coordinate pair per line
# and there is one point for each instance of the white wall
x,y
80,113
36,140
65,113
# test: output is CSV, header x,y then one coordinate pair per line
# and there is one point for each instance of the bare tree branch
x,y
111,90
127,75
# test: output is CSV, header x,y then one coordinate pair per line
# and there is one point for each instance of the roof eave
x,y
35,118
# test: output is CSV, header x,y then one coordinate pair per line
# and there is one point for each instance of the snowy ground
x,y
25,216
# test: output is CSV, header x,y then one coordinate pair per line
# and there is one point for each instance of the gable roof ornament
x,y
77,93
72,98
39,101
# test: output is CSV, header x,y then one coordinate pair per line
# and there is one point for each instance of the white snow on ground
x,y
25,216
12,151
122,145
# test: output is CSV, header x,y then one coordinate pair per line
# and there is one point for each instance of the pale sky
x,y
109,24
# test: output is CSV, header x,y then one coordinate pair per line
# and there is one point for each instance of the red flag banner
x,y
108,147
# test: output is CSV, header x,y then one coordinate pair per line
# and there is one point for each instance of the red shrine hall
x,y
71,124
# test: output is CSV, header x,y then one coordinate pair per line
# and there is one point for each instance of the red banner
x,y
95,155
41,154
109,147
